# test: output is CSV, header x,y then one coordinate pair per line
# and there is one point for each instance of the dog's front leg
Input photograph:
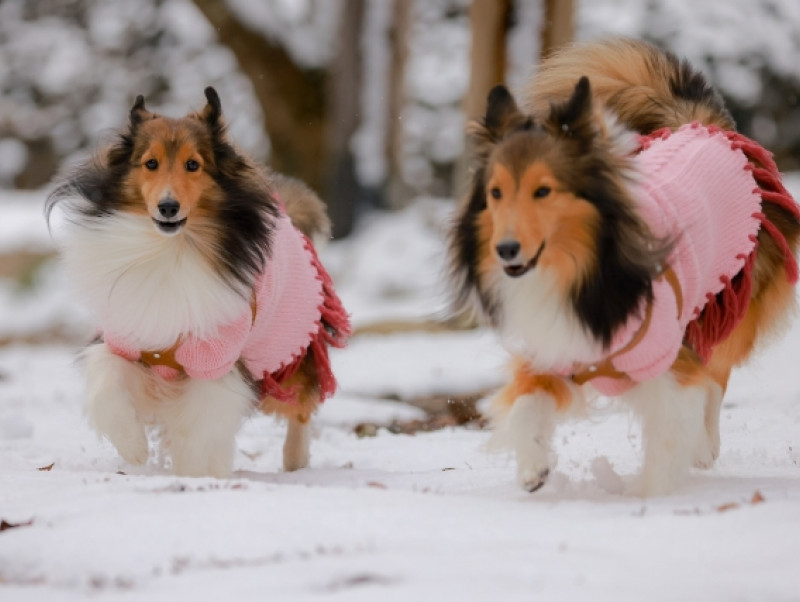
x,y
524,418
201,424
109,403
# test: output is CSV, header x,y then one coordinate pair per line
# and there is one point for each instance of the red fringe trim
x,y
333,329
723,311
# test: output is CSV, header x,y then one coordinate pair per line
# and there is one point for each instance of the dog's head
x,y
554,195
172,163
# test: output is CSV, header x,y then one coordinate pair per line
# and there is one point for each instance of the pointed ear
x,y
213,110
138,112
502,113
574,118
502,117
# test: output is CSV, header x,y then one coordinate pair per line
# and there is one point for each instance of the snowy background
x,y
393,507
70,70
382,514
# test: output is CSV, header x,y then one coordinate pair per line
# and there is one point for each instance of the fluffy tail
x,y
647,88
306,210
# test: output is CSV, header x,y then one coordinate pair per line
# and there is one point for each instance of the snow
x,y
389,517
13,156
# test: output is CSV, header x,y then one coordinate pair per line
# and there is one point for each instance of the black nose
x,y
168,208
508,249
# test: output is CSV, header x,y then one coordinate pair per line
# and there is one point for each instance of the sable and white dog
x,y
622,238
209,300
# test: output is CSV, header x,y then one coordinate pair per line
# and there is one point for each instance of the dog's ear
x,y
138,112
574,118
501,112
502,117
212,112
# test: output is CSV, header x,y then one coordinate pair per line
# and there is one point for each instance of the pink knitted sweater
x,y
697,185
292,296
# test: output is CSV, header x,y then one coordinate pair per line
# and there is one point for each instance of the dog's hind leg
x,y
525,413
296,448
201,425
111,386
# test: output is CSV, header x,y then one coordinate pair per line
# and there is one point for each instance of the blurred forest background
x,y
366,100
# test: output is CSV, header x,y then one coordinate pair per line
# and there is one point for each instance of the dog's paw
x,y
219,468
295,462
532,479
131,445
705,454
654,483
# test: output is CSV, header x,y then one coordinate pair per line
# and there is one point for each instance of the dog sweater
x,y
696,187
295,309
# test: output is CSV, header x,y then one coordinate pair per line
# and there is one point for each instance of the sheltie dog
x,y
621,238
210,302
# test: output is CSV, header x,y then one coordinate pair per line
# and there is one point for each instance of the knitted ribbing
x,y
697,189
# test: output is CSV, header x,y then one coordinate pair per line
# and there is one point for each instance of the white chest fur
x,y
537,323
147,288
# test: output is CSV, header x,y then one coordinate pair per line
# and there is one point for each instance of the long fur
x,y
165,233
549,247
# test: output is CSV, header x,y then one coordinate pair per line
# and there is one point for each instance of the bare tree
x,y
341,187
489,22
397,191
309,114
558,28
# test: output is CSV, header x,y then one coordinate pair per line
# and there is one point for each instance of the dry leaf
x,y
5,525
757,498
46,468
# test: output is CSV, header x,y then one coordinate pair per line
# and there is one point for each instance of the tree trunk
x,y
558,28
292,98
342,189
397,191
489,22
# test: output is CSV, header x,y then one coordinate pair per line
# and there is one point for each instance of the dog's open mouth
x,y
518,269
169,227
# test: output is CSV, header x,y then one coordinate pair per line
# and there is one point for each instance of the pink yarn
x,y
698,184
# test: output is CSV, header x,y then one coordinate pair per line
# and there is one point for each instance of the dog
x,y
622,239
210,302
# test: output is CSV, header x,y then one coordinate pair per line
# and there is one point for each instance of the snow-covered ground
x,y
391,517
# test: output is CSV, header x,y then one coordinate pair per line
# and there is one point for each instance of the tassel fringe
x,y
333,330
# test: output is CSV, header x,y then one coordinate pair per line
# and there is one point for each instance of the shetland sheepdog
x,y
210,302
621,238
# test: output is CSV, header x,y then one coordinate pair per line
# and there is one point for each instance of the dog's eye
x,y
496,193
541,192
192,165
151,164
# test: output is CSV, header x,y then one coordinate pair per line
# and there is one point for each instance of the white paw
x,y
192,461
131,445
705,453
651,486
532,479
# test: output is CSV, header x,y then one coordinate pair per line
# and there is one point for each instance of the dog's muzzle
x,y
169,221
515,270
